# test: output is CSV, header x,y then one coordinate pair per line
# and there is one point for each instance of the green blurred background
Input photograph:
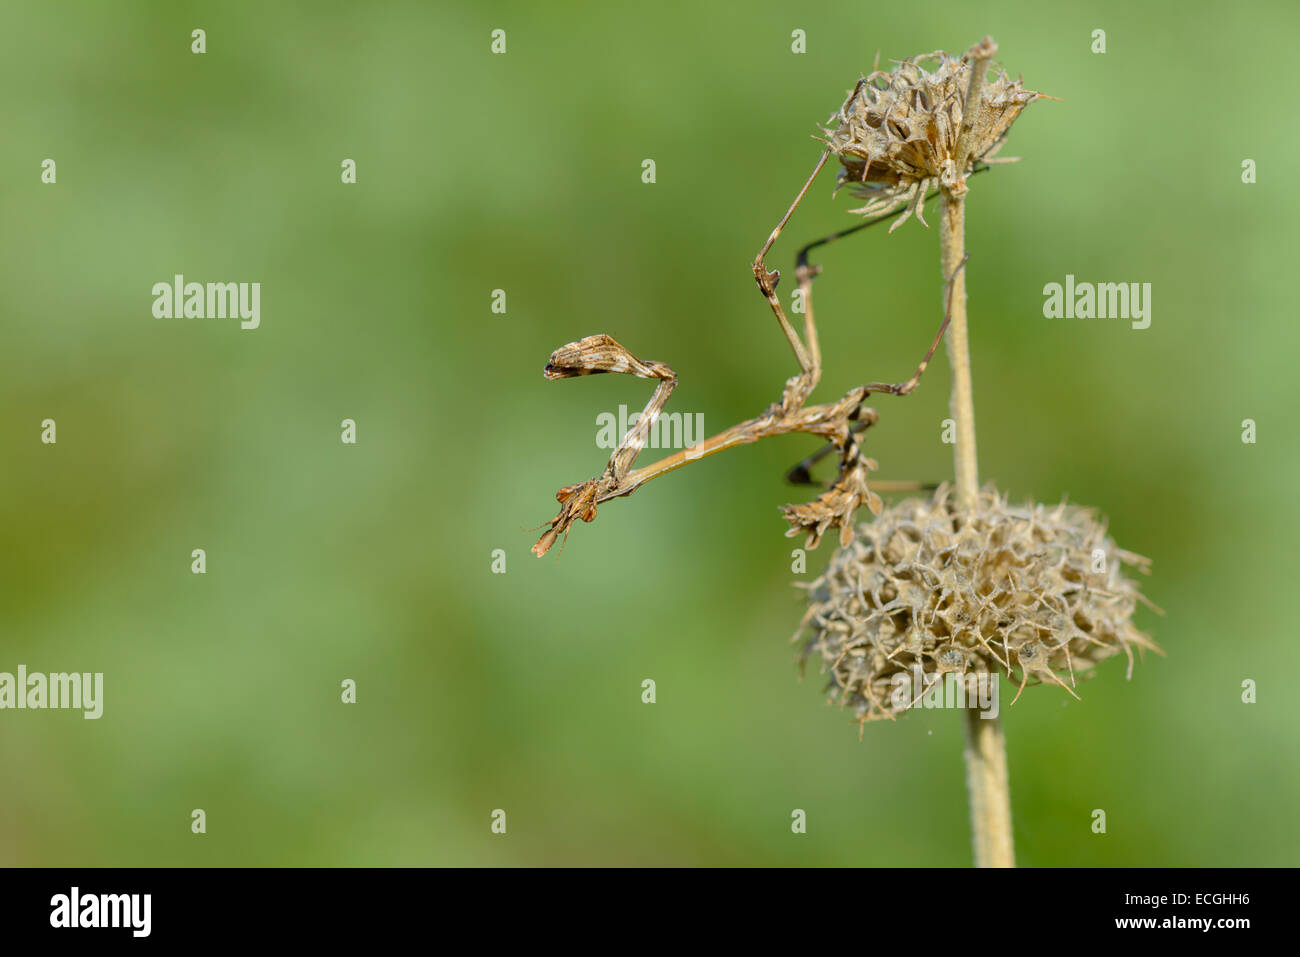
x,y
522,171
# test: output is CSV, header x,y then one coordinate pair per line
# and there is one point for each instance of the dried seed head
x,y
902,132
1033,591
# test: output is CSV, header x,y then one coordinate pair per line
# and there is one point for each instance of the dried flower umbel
x,y
927,589
901,132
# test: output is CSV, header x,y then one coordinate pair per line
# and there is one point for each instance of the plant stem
x,y
952,244
985,750
990,793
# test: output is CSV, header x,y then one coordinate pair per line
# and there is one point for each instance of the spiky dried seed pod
x,y
1033,591
900,132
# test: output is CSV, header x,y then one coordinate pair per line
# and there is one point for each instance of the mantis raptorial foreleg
x,y
590,356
